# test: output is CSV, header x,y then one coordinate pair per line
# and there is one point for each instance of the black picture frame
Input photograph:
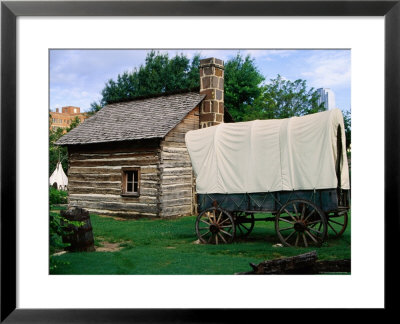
x,y
10,10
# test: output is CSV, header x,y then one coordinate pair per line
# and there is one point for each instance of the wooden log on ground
x,y
306,263
303,263
333,266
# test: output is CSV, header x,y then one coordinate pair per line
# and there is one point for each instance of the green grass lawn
x,y
167,247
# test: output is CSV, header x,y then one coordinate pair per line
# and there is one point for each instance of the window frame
x,y
124,178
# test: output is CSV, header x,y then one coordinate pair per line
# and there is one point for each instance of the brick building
x,y
64,118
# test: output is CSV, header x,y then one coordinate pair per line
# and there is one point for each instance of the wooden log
x,y
105,163
116,147
306,263
117,155
303,263
326,266
123,214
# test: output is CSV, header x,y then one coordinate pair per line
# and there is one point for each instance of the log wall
x,y
177,194
167,185
95,178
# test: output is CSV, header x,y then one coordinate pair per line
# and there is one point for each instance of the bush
x,y
57,196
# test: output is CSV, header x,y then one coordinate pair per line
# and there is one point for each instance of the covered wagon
x,y
295,169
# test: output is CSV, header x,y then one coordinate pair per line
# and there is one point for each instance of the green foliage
x,y
159,74
57,196
75,122
347,127
162,74
242,86
56,231
94,108
56,152
283,98
163,246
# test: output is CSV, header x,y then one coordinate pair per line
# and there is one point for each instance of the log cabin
x,y
130,158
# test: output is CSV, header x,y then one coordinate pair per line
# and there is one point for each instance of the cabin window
x,y
130,181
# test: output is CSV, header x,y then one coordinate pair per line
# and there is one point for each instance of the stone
x,y
215,107
210,94
221,84
219,62
221,107
207,117
214,82
208,70
219,72
206,106
206,61
205,81
219,95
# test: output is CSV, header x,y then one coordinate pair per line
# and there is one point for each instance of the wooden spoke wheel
x,y
215,226
301,223
244,223
337,223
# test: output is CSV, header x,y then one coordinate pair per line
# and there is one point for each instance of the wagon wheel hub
x,y
299,226
214,228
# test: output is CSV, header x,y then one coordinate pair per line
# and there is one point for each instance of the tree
x,y
162,74
242,86
94,108
75,122
283,98
56,152
159,74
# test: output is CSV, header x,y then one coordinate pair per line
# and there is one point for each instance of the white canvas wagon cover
x,y
297,153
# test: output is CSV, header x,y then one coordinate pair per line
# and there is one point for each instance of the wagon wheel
x,y
300,223
337,223
215,226
244,223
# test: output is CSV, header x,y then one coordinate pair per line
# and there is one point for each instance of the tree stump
x,y
80,237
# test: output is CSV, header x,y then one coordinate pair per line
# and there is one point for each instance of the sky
x,y
78,76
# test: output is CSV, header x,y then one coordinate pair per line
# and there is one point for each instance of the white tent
x,y
298,153
59,177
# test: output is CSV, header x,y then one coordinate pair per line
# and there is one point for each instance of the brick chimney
x,y
212,85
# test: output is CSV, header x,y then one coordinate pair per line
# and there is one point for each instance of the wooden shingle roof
x,y
134,120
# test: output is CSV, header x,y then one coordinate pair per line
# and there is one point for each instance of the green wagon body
x,y
328,200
